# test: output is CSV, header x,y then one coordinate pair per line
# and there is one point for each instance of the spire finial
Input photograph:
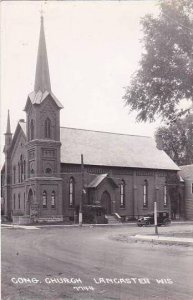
x,y
42,77
8,130
42,14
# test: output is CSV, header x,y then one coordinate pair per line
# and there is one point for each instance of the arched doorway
x,y
29,202
106,202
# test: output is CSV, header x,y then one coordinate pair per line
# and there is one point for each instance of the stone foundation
x,y
21,220
54,219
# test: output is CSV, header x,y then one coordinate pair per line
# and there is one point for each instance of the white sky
x,y
93,48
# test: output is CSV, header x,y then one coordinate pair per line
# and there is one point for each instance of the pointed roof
x,y
42,86
42,77
8,130
99,178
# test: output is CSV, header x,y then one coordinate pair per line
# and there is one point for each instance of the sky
x,y
93,49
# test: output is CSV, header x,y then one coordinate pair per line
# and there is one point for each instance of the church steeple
x,y
42,77
42,86
8,130
8,134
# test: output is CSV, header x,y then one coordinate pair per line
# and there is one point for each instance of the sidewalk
x,y
164,239
18,226
38,226
124,224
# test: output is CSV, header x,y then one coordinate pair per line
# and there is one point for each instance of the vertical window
x,y
24,201
53,199
19,172
18,201
145,193
24,169
47,128
192,188
48,171
14,201
165,195
14,170
122,194
32,130
71,192
21,169
44,199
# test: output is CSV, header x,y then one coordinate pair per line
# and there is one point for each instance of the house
x,y
186,173
52,172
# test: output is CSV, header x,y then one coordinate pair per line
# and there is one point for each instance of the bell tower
x,y
43,137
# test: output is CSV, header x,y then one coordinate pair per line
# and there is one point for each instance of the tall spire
x,y
8,130
42,78
8,135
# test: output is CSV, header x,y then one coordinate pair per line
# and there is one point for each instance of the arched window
x,y
19,204
19,172
145,193
44,199
47,128
165,195
24,169
14,173
53,202
71,192
32,172
48,171
32,130
21,169
122,194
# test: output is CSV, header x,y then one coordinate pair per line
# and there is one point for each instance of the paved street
x,y
94,263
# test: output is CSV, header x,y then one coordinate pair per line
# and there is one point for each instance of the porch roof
x,y
98,179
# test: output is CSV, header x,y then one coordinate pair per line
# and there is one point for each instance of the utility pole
x,y
155,217
82,190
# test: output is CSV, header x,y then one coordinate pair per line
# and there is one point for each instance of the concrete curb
x,y
4,225
87,225
38,226
164,239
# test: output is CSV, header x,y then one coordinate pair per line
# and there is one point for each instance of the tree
x,y
165,74
177,140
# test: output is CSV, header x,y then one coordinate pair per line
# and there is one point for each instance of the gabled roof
x,y
39,97
23,126
186,172
20,126
111,149
98,179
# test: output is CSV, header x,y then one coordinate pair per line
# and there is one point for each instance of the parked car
x,y
162,219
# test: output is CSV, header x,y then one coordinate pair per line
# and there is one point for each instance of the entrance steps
x,y
112,219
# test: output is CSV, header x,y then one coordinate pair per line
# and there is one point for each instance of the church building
x,y
51,172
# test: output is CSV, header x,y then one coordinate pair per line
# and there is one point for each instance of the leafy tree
x,y
165,74
177,140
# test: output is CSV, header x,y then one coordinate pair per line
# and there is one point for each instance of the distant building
x,y
186,174
43,178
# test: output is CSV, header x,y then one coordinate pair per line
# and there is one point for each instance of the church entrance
x,y
106,202
29,202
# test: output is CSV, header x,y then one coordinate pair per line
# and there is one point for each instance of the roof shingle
x,y
111,149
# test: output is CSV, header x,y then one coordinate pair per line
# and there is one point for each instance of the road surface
x,y
90,263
